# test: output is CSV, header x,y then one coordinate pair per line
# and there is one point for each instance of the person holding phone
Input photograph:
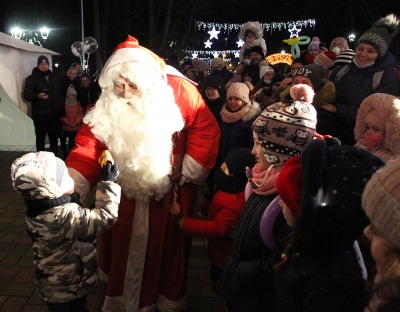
x,y
43,90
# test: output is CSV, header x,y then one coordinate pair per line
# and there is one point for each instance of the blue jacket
x,y
355,85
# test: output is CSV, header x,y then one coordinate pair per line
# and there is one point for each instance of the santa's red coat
x,y
166,256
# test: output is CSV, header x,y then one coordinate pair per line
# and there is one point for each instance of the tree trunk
x,y
166,25
151,24
97,34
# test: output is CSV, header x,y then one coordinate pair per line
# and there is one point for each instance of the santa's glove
x,y
110,172
183,180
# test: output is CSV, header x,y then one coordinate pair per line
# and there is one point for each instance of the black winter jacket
x,y
35,84
246,280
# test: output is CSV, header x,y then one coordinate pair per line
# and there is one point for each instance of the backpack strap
x,y
341,72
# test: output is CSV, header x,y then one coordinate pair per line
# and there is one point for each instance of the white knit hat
x,y
239,90
264,70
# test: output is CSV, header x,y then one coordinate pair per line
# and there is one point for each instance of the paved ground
x,y
17,286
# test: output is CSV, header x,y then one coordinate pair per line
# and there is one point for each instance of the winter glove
x,y
110,172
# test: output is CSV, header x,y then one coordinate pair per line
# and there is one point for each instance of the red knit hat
x,y
290,184
130,51
326,59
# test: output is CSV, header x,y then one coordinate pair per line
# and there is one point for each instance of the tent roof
x,y
10,41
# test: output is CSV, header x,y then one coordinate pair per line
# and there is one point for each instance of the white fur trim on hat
x,y
255,27
129,54
387,107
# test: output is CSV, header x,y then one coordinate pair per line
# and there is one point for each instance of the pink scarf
x,y
267,183
230,117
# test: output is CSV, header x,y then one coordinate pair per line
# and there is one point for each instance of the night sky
x,y
333,18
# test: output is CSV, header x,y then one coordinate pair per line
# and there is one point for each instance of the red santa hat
x,y
131,51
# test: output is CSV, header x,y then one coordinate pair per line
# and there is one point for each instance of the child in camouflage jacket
x,y
63,233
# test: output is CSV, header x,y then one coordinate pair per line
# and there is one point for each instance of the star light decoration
x,y
240,43
215,54
294,31
194,55
208,44
213,33
237,54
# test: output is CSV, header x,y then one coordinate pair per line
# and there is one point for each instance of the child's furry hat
x,y
382,111
40,175
255,27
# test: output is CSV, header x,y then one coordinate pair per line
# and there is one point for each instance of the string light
x,y
273,26
214,29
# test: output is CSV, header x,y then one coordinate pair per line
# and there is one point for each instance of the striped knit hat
x,y
344,58
381,201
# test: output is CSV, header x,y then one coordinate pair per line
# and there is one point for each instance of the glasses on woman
x,y
210,89
120,88
334,45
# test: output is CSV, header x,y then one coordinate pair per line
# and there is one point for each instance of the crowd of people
x,y
300,170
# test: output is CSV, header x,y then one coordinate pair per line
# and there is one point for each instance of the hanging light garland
x,y
214,29
273,26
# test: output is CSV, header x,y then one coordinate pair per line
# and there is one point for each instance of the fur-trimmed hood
x,y
254,111
255,27
387,107
326,95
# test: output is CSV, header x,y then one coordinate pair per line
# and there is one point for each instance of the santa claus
x,y
165,140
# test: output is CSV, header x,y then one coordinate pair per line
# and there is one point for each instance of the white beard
x,y
138,133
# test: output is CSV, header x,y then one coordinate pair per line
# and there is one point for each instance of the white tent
x,y
17,59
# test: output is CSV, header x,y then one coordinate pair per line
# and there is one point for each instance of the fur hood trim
x,y
255,27
386,107
254,111
326,95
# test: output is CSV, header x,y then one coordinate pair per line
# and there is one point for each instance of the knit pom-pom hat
x,y
383,111
239,90
314,44
285,128
381,33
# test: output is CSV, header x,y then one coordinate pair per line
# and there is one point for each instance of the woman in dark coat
x,y
371,71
